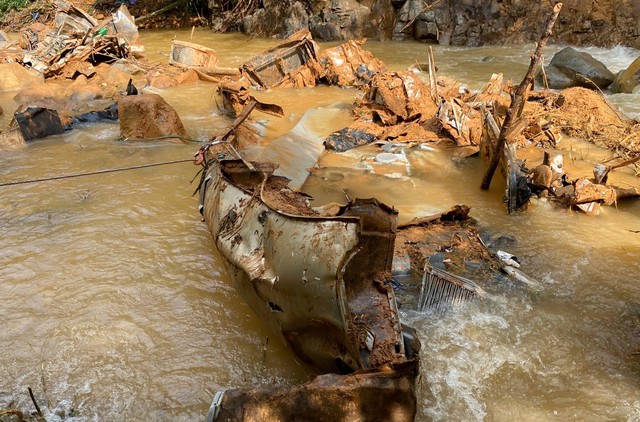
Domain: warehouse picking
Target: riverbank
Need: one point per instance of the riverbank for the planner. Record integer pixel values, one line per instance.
(602, 23)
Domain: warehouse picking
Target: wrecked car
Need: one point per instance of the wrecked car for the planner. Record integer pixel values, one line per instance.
(322, 283)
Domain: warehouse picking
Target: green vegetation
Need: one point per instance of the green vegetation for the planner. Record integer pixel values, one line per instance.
(6, 5)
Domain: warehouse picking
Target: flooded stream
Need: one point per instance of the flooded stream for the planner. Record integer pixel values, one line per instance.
(115, 304)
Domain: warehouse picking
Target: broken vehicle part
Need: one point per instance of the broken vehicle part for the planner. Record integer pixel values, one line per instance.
(331, 302)
(70, 19)
(324, 302)
(186, 54)
(293, 63)
(38, 122)
(441, 289)
(365, 396)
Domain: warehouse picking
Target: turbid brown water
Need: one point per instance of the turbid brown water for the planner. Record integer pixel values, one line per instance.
(116, 305)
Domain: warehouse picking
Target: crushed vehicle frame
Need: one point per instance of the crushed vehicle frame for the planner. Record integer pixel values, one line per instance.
(319, 282)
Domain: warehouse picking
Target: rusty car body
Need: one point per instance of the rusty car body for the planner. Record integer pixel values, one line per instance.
(320, 282)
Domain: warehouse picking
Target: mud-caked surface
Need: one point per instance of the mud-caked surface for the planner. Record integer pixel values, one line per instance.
(585, 114)
(454, 244)
(373, 317)
(365, 396)
(278, 196)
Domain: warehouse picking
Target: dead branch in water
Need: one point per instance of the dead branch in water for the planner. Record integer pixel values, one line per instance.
(518, 99)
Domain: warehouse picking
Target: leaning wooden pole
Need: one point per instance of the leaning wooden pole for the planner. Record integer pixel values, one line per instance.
(518, 99)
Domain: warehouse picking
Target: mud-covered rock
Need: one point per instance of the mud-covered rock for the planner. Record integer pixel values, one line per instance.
(148, 116)
(627, 80)
(570, 67)
(40, 92)
(14, 77)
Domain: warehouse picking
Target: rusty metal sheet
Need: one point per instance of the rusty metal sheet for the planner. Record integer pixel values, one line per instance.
(363, 396)
(70, 19)
(395, 97)
(186, 54)
(38, 122)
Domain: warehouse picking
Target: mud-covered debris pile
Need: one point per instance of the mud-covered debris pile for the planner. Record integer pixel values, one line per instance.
(585, 114)
(576, 112)
(400, 107)
(349, 65)
(449, 241)
(75, 37)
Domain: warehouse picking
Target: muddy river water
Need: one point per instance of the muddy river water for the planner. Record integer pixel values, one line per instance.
(114, 304)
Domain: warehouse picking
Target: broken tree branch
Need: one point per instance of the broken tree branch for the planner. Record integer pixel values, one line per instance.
(160, 11)
(33, 399)
(518, 99)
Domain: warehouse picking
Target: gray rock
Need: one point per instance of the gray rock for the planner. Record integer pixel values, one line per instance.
(425, 31)
(570, 67)
(326, 31)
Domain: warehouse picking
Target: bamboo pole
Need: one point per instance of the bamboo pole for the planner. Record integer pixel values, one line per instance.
(518, 99)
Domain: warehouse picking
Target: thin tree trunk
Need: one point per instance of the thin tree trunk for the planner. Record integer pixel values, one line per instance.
(518, 99)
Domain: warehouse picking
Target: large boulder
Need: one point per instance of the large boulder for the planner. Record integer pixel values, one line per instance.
(14, 77)
(36, 94)
(341, 19)
(628, 79)
(276, 18)
(407, 14)
(148, 116)
(570, 67)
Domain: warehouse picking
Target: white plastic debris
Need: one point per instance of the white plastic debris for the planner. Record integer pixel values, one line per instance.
(509, 259)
